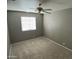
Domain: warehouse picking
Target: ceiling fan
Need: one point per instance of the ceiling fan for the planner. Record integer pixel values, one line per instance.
(41, 9)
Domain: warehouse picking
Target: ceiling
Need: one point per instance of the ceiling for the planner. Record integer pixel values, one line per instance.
(27, 5)
(58, 4)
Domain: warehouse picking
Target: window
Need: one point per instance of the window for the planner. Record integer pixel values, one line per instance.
(28, 23)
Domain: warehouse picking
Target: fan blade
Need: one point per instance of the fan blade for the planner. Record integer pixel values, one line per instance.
(34, 9)
(46, 12)
(48, 9)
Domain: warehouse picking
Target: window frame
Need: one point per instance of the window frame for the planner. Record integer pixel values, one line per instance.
(30, 29)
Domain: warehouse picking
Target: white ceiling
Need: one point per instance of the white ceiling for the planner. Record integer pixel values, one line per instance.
(58, 4)
(27, 5)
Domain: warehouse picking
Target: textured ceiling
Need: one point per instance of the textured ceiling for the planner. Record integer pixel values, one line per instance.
(26, 5)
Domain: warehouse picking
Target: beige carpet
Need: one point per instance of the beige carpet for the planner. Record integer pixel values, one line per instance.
(39, 48)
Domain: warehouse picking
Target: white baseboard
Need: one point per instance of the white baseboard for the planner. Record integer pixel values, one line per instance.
(59, 44)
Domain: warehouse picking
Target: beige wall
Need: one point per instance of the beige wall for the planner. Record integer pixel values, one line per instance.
(14, 22)
(58, 27)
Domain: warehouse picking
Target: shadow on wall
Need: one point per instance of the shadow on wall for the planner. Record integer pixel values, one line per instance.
(58, 27)
(14, 24)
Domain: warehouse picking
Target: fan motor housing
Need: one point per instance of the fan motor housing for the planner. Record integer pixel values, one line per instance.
(39, 9)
